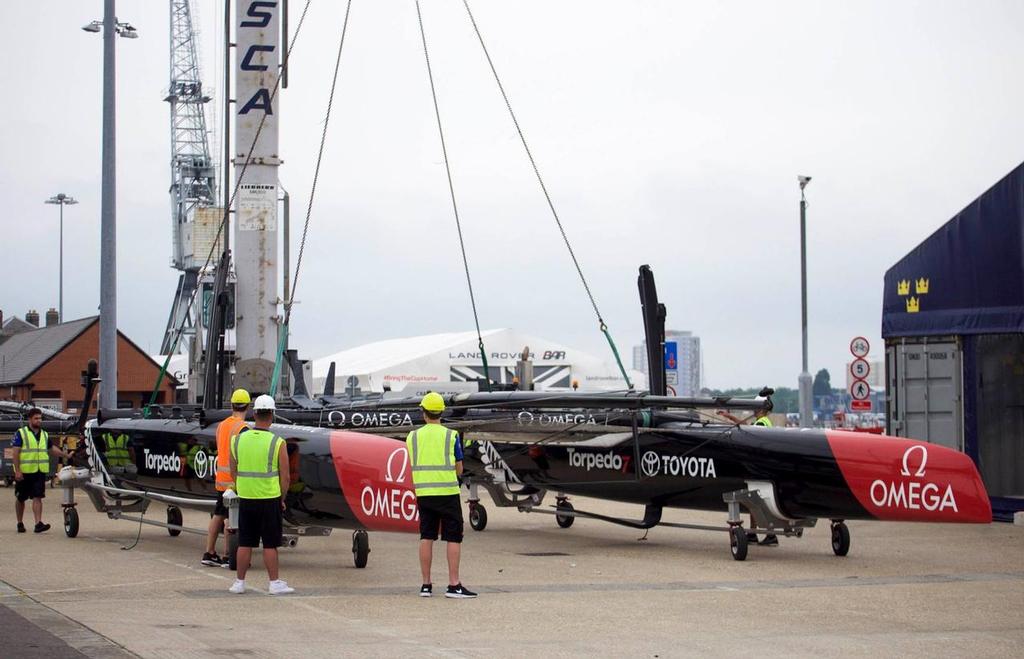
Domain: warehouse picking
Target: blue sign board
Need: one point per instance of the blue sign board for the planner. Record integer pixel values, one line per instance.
(671, 356)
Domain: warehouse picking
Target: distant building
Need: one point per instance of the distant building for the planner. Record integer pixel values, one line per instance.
(43, 366)
(688, 372)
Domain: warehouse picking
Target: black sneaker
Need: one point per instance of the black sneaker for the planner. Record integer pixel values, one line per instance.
(213, 560)
(459, 592)
(427, 590)
(41, 528)
(769, 541)
(225, 562)
(21, 527)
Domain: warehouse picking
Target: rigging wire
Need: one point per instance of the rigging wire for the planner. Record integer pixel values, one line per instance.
(222, 228)
(533, 163)
(283, 341)
(455, 206)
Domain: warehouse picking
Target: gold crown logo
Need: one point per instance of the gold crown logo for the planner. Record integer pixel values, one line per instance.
(903, 287)
(913, 305)
(921, 286)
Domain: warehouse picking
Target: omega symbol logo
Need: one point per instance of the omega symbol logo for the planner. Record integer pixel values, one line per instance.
(403, 466)
(650, 463)
(906, 460)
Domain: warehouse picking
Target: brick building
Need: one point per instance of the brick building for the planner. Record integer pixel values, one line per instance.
(45, 365)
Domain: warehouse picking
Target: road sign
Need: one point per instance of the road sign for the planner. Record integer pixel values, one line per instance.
(672, 377)
(860, 390)
(859, 368)
(671, 356)
(860, 347)
(860, 405)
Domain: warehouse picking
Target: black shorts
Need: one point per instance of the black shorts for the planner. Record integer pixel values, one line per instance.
(31, 486)
(220, 510)
(440, 512)
(259, 519)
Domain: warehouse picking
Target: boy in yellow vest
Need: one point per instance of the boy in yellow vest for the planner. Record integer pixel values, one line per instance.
(435, 453)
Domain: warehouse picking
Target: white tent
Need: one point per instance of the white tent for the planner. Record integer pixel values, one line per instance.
(436, 359)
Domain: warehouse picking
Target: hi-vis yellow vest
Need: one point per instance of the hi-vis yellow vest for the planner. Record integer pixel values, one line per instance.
(35, 454)
(117, 449)
(432, 453)
(764, 421)
(257, 455)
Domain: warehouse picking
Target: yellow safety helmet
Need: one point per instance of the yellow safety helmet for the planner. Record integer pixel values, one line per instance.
(433, 402)
(240, 397)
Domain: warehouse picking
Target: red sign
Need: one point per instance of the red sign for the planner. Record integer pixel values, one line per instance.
(860, 405)
(859, 347)
(860, 390)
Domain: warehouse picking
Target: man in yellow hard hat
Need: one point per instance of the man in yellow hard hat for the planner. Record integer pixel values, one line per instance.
(228, 428)
(435, 453)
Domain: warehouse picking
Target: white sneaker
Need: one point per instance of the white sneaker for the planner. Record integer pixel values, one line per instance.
(280, 587)
(238, 587)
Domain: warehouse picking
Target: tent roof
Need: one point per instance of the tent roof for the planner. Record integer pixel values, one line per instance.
(968, 276)
(379, 355)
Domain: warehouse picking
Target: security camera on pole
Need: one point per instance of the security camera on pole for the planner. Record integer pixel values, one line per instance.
(806, 416)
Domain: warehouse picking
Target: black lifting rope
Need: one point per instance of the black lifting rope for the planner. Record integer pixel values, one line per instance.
(309, 210)
(455, 206)
(603, 326)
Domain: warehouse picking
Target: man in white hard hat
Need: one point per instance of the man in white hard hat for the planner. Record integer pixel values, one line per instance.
(260, 484)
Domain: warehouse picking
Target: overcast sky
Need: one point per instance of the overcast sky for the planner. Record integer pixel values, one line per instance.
(669, 133)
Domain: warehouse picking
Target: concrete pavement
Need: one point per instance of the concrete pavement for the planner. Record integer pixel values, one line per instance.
(593, 589)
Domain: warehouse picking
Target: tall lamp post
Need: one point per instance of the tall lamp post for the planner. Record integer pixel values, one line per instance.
(62, 200)
(108, 212)
(806, 415)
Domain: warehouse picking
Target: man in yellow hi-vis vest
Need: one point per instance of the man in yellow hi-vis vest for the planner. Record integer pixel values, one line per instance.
(435, 453)
(259, 470)
(31, 458)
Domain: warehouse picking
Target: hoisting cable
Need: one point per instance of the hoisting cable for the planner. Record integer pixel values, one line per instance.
(222, 227)
(283, 341)
(601, 324)
(455, 206)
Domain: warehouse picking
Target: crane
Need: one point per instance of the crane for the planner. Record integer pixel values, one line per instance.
(193, 190)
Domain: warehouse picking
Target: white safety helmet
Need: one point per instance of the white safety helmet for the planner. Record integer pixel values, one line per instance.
(264, 402)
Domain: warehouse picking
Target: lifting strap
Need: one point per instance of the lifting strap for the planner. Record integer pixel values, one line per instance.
(455, 206)
(601, 324)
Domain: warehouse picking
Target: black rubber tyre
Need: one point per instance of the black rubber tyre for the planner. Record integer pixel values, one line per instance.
(565, 521)
(477, 517)
(174, 517)
(840, 539)
(232, 551)
(738, 543)
(360, 548)
(70, 522)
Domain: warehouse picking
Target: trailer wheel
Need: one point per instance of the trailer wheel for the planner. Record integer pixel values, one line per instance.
(477, 517)
(738, 543)
(840, 538)
(360, 548)
(565, 521)
(70, 522)
(174, 517)
(232, 537)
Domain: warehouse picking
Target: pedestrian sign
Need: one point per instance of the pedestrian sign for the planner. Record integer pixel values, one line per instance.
(860, 390)
(671, 356)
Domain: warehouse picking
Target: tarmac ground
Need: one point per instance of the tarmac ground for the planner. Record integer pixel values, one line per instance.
(594, 589)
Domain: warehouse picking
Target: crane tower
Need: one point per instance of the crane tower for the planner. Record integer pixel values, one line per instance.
(194, 217)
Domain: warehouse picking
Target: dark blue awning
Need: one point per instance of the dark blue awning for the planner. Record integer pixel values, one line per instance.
(967, 277)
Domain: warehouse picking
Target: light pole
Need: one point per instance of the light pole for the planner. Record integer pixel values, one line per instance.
(806, 415)
(108, 211)
(62, 200)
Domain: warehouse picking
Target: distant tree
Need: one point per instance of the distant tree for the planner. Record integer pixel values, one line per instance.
(822, 383)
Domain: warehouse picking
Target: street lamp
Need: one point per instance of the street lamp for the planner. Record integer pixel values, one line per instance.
(108, 212)
(806, 415)
(62, 200)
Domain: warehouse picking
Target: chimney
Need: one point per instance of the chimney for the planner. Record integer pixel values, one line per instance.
(32, 318)
(52, 317)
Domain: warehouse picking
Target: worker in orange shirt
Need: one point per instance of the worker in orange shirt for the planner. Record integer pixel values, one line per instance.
(228, 428)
